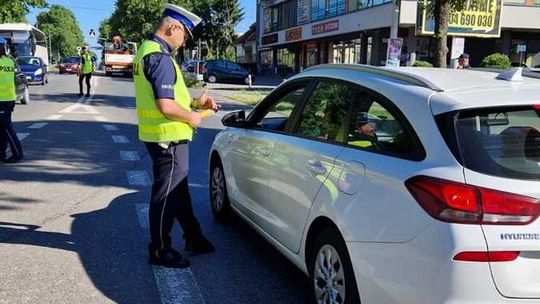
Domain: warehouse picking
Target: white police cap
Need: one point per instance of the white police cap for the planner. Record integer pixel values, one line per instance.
(185, 17)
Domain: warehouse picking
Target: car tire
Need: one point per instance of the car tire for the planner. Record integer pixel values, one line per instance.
(212, 79)
(219, 198)
(108, 74)
(26, 96)
(330, 269)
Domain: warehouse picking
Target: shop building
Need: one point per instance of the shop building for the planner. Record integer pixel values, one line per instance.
(295, 34)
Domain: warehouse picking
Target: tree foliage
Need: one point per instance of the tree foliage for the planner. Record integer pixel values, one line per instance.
(62, 26)
(16, 10)
(134, 20)
(441, 9)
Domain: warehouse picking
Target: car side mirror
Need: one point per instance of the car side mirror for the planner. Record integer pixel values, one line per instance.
(236, 119)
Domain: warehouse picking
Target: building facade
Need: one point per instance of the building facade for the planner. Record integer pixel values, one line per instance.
(295, 34)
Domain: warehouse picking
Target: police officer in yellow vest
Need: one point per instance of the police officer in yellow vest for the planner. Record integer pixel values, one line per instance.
(165, 124)
(7, 104)
(87, 67)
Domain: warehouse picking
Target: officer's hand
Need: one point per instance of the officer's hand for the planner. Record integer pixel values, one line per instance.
(195, 119)
(207, 102)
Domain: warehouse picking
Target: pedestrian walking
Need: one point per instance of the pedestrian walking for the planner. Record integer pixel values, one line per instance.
(165, 125)
(8, 94)
(87, 67)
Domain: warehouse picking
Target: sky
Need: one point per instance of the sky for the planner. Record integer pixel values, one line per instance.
(90, 13)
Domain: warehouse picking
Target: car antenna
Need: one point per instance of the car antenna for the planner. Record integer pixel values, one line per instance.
(512, 74)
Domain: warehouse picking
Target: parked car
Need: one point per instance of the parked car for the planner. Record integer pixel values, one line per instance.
(34, 68)
(21, 85)
(69, 65)
(190, 66)
(225, 71)
(444, 208)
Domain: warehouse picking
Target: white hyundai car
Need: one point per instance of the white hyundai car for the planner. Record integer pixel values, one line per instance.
(407, 185)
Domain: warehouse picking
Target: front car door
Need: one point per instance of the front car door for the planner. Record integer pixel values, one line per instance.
(251, 149)
(303, 159)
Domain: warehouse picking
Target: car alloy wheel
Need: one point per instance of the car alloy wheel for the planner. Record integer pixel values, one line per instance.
(330, 269)
(212, 79)
(329, 278)
(218, 192)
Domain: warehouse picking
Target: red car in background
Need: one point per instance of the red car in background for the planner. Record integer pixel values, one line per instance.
(69, 65)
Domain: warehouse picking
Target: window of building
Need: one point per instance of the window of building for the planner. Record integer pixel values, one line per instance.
(285, 62)
(271, 19)
(361, 4)
(323, 9)
(347, 51)
(289, 15)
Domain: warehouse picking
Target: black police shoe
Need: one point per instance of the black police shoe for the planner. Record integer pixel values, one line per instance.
(167, 258)
(87, 95)
(199, 245)
(12, 160)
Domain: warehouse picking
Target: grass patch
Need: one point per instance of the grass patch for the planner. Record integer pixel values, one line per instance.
(249, 97)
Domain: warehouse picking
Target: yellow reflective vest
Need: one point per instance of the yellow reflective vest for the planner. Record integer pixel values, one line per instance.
(7, 79)
(87, 67)
(153, 125)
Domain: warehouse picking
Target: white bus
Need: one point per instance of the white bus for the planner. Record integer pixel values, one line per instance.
(25, 40)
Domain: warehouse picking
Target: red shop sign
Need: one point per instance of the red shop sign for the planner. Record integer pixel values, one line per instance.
(325, 27)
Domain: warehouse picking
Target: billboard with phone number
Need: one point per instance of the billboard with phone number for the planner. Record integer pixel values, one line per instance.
(480, 18)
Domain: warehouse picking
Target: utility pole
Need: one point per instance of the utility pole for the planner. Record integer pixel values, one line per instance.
(49, 51)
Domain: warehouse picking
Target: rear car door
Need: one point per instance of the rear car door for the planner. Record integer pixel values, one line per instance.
(500, 150)
(303, 160)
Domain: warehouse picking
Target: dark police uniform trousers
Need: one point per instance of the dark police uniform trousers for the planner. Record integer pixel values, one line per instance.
(7, 134)
(170, 194)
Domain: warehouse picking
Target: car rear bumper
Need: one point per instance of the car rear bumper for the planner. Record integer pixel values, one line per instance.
(422, 270)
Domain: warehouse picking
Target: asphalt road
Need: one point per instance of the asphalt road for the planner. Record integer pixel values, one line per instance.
(72, 214)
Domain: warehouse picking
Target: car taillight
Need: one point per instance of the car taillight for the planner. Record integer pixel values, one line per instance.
(484, 256)
(536, 107)
(454, 202)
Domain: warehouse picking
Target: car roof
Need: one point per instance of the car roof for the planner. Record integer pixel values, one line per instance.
(451, 89)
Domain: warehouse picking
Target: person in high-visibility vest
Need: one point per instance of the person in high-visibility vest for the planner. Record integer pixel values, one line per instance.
(86, 69)
(165, 125)
(8, 94)
(365, 136)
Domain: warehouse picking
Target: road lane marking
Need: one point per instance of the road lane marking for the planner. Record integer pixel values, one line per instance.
(176, 286)
(54, 117)
(100, 118)
(129, 155)
(88, 109)
(120, 139)
(38, 125)
(138, 178)
(22, 136)
(110, 127)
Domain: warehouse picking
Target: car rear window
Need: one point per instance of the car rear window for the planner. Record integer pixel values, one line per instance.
(503, 142)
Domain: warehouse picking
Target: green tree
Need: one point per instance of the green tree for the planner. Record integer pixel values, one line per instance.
(16, 10)
(441, 9)
(134, 20)
(105, 31)
(62, 26)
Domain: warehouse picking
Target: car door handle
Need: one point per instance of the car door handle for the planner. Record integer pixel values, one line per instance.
(317, 169)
